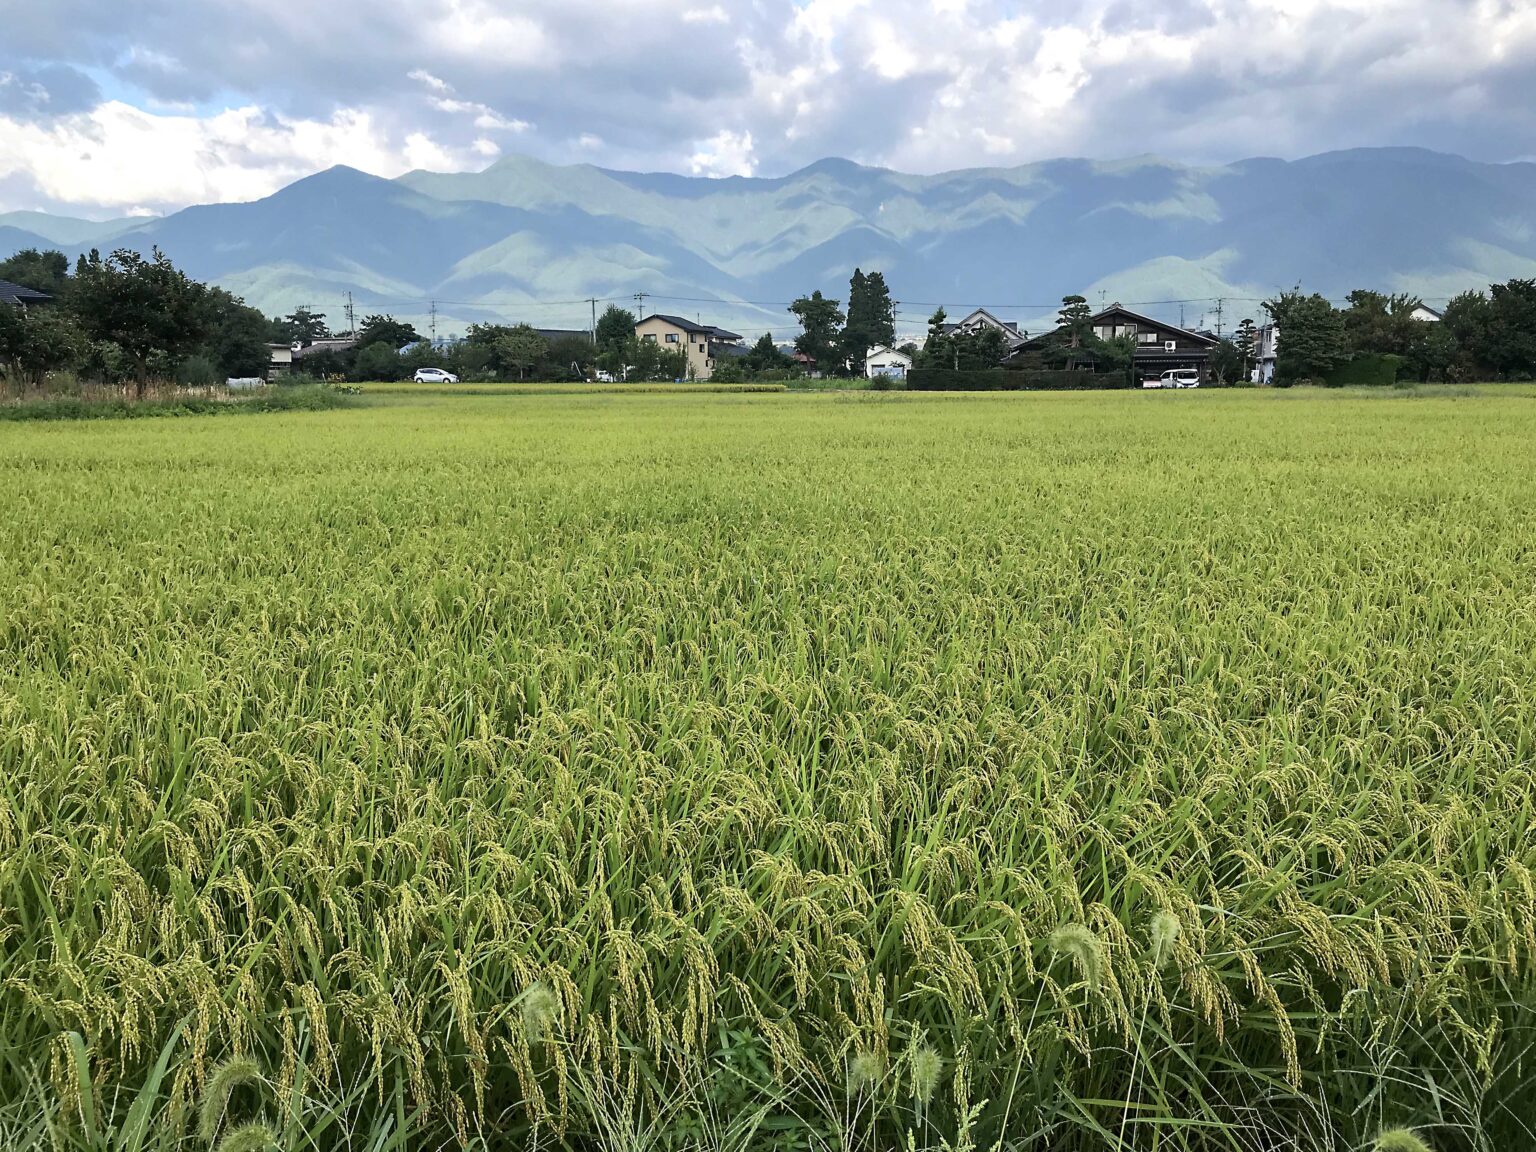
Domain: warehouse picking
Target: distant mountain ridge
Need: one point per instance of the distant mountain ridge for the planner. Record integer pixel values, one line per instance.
(525, 240)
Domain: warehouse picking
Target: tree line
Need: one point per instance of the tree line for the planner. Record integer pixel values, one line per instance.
(127, 318)
(1481, 336)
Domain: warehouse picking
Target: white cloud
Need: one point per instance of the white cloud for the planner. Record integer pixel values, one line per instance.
(725, 153)
(421, 75)
(914, 84)
(119, 157)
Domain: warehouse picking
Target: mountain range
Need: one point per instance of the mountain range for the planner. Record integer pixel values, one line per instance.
(525, 240)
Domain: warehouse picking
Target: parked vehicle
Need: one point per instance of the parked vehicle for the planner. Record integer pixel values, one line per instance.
(434, 376)
(1174, 378)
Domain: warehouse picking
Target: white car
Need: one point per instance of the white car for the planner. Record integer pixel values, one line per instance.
(434, 376)
(1174, 378)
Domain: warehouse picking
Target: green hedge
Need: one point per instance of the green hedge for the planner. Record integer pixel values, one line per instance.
(1371, 371)
(1003, 380)
(306, 399)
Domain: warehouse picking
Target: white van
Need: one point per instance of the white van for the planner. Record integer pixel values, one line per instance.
(1175, 378)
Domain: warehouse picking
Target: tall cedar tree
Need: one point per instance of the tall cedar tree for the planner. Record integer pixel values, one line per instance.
(871, 318)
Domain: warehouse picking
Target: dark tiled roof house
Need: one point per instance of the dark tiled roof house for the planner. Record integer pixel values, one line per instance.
(16, 295)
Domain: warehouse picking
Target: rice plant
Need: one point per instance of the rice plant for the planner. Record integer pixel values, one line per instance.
(693, 772)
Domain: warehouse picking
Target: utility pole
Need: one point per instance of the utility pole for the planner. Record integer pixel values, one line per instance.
(1181, 314)
(594, 321)
(351, 317)
(434, 323)
(640, 301)
(1220, 306)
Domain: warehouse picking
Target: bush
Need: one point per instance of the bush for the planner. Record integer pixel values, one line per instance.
(198, 372)
(1371, 370)
(1004, 380)
(310, 399)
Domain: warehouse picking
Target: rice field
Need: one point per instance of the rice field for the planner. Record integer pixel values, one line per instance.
(1109, 771)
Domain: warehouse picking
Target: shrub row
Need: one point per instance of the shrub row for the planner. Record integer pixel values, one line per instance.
(1371, 371)
(1003, 380)
(304, 399)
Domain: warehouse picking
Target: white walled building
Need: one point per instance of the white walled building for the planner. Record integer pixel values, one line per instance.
(883, 361)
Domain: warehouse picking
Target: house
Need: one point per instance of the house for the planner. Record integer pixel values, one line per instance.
(1013, 336)
(558, 335)
(1427, 314)
(704, 343)
(883, 361)
(279, 360)
(1160, 347)
(20, 297)
(1266, 353)
(331, 344)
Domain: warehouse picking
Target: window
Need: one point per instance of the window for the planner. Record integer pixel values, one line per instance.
(1102, 332)
(650, 337)
(671, 337)
(1148, 338)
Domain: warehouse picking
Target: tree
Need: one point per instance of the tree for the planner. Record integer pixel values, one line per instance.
(1076, 318)
(1379, 325)
(521, 349)
(567, 358)
(615, 329)
(1074, 330)
(1509, 341)
(821, 322)
(236, 336)
(764, 356)
(148, 308)
(1312, 342)
(730, 370)
(1466, 318)
(649, 360)
(1433, 353)
(871, 319)
(36, 341)
(1247, 342)
(302, 326)
(1228, 364)
(386, 330)
(377, 361)
(46, 272)
(1117, 355)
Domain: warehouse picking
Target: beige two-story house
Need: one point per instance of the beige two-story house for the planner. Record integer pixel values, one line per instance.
(704, 343)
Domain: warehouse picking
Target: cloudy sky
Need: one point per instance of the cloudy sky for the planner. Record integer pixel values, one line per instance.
(109, 106)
